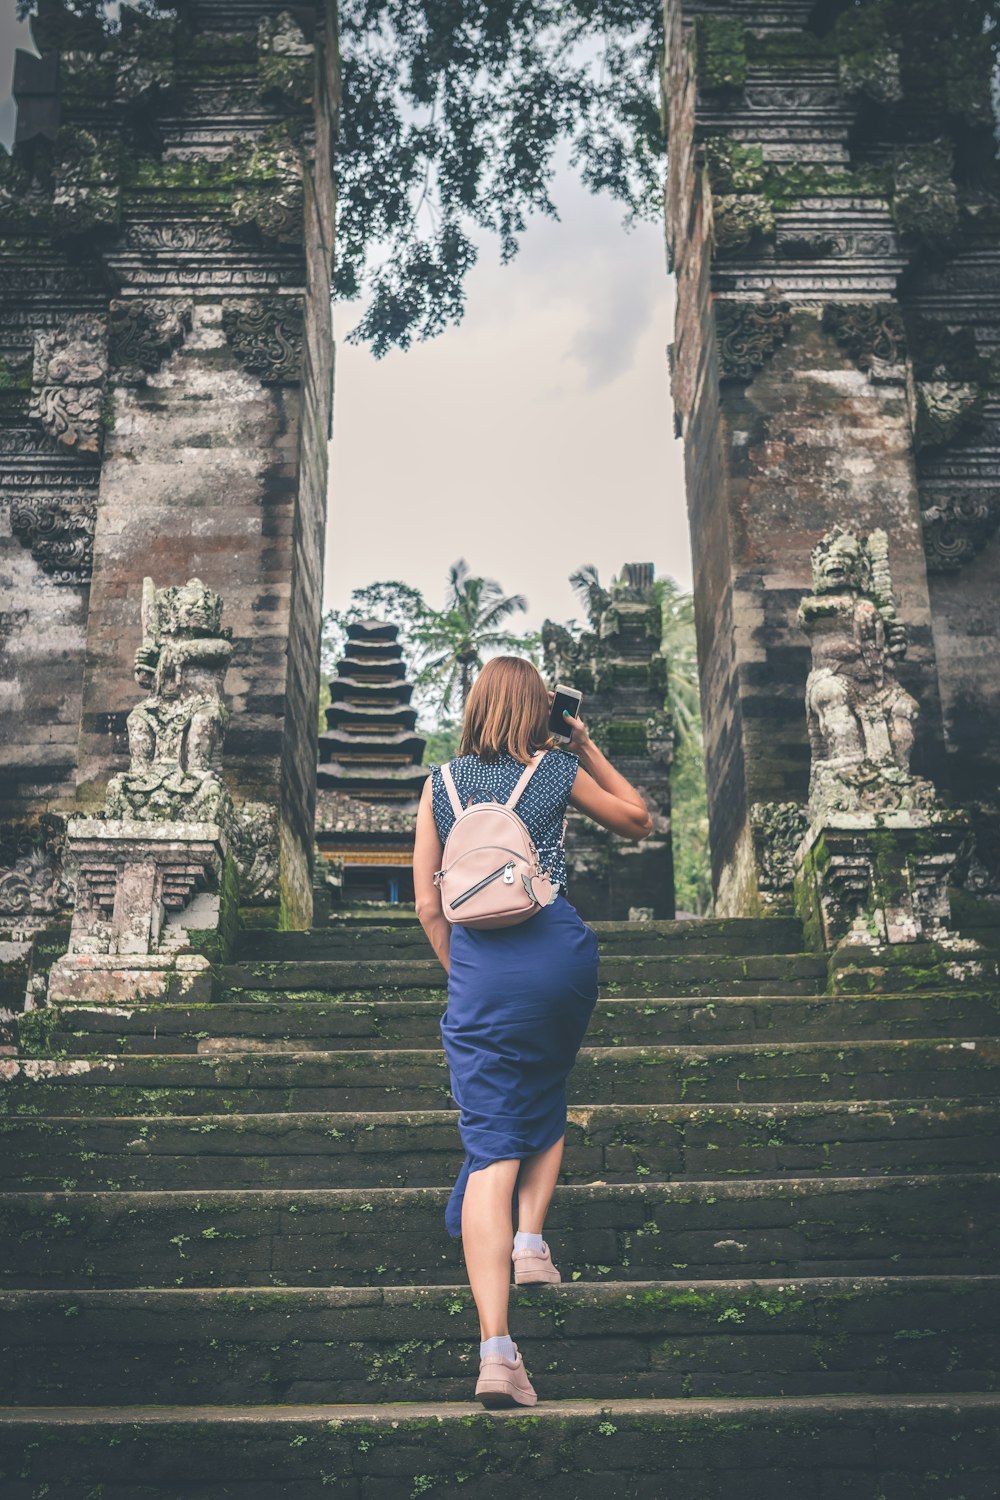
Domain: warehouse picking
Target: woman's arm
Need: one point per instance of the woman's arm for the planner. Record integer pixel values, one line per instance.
(602, 792)
(427, 853)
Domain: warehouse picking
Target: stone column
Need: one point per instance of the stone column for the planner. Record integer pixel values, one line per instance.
(792, 212)
(172, 187)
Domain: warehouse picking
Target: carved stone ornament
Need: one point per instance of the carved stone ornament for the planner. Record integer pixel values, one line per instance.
(738, 219)
(945, 408)
(860, 719)
(955, 531)
(284, 57)
(68, 382)
(857, 893)
(34, 885)
(270, 196)
(143, 890)
(255, 850)
(145, 64)
(59, 531)
(87, 176)
(925, 201)
(978, 870)
(266, 335)
(778, 829)
(748, 333)
(150, 870)
(175, 735)
(142, 333)
(872, 333)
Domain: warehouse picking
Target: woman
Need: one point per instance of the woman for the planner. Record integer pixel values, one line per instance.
(519, 998)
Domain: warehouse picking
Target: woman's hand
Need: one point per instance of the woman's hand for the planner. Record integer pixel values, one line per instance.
(579, 739)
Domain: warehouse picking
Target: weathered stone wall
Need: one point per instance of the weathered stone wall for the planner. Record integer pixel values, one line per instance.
(168, 367)
(832, 214)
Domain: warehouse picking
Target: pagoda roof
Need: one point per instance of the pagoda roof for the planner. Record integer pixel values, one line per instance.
(374, 716)
(374, 781)
(341, 743)
(395, 691)
(372, 630)
(374, 648)
(351, 666)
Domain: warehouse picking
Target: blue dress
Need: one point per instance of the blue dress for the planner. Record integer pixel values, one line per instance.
(519, 998)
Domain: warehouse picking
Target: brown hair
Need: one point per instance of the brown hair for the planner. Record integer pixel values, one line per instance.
(507, 709)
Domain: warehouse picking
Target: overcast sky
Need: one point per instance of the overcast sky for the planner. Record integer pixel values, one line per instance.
(534, 438)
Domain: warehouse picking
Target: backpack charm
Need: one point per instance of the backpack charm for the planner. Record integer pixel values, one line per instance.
(491, 875)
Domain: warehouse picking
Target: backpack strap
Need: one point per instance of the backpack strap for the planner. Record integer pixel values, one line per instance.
(525, 777)
(451, 789)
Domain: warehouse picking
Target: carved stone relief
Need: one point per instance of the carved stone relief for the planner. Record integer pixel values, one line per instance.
(142, 333)
(284, 57)
(266, 335)
(34, 885)
(175, 735)
(872, 333)
(777, 829)
(748, 333)
(86, 193)
(68, 382)
(956, 529)
(270, 197)
(59, 531)
(860, 718)
(255, 850)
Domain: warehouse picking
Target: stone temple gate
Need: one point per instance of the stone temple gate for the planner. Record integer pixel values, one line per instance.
(168, 220)
(225, 1149)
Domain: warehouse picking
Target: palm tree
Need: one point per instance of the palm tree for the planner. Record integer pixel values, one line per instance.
(679, 646)
(455, 638)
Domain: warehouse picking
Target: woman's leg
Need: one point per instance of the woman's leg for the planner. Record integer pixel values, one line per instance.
(487, 1240)
(535, 1185)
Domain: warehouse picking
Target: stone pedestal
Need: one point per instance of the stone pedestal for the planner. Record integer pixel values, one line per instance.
(143, 891)
(867, 880)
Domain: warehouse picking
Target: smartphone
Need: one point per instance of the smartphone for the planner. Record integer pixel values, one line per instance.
(566, 697)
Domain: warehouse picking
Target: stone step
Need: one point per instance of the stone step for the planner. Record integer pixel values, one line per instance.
(903, 1225)
(870, 1447)
(640, 1338)
(732, 935)
(288, 1025)
(613, 1143)
(636, 974)
(418, 1079)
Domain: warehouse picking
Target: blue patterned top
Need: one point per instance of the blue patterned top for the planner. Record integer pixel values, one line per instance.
(542, 804)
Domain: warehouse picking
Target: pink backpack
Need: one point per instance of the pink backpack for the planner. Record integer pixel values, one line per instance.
(491, 876)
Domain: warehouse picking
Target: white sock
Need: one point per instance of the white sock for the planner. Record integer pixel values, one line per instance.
(525, 1241)
(500, 1343)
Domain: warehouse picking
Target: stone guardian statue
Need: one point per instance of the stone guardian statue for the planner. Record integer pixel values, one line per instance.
(175, 735)
(860, 718)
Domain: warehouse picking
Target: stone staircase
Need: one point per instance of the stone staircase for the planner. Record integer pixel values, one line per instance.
(226, 1272)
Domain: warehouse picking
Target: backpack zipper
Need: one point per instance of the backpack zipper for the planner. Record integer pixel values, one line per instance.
(507, 871)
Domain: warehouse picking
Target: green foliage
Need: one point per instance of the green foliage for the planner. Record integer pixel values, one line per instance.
(452, 121)
(456, 639)
(689, 820)
(442, 742)
(395, 602)
(722, 53)
(688, 794)
(443, 649)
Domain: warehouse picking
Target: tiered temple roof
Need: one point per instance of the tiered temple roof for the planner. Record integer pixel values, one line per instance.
(370, 773)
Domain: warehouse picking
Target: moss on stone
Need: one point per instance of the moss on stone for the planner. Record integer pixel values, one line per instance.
(722, 55)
